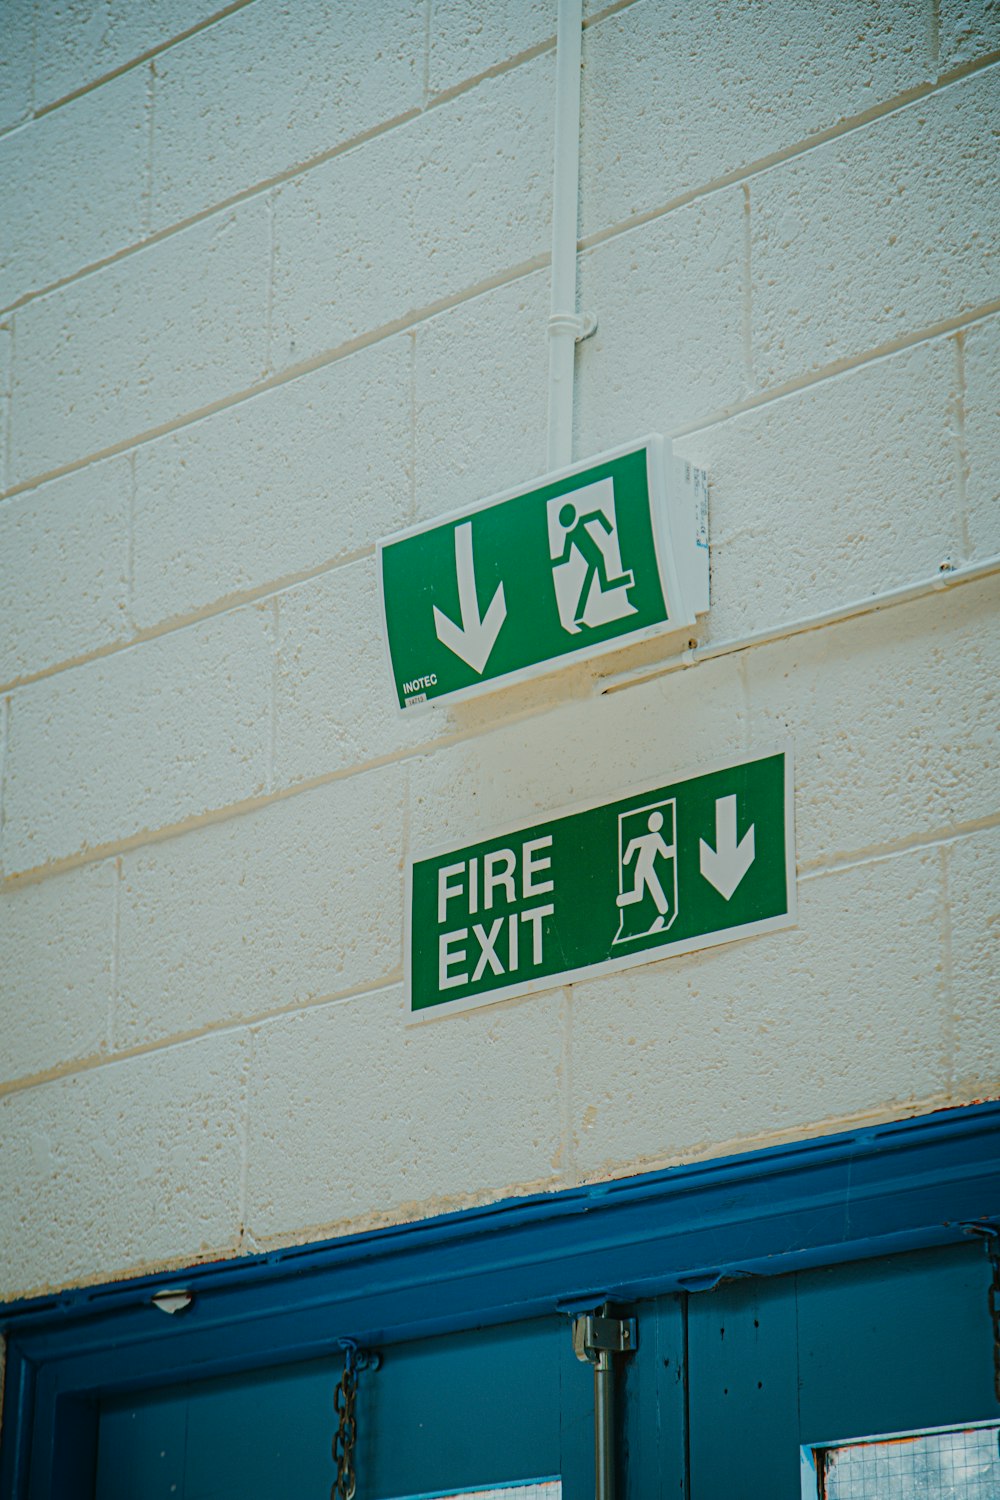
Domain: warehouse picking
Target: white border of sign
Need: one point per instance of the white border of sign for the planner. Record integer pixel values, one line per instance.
(627, 961)
(680, 612)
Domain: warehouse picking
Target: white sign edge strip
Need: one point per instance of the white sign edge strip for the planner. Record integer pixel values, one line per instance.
(788, 918)
(680, 615)
(515, 1489)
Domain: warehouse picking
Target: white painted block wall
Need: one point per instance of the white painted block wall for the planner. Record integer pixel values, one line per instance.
(276, 284)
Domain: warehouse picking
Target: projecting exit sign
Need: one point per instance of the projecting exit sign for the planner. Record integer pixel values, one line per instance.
(585, 561)
(663, 870)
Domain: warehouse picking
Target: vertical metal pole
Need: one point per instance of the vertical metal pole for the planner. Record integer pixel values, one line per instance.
(598, 1338)
(604, 1427)
(564, 324)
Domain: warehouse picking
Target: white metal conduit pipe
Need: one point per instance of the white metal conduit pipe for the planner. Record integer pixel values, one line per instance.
(565, 324)
(938, 583)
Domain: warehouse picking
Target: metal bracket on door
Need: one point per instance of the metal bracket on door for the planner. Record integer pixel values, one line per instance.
(597, 1338)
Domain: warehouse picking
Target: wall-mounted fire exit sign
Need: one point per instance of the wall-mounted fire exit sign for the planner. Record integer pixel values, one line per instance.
(585, 561)
(658, 871)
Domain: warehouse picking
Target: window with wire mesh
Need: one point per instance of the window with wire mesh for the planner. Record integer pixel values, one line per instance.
(959, 1464)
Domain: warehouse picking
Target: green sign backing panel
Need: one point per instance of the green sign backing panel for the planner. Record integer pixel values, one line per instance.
(662, 870)
(536, 578)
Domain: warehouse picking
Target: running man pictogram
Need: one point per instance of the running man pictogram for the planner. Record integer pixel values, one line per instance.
(591, 583)
(578, 536)
(647, 870)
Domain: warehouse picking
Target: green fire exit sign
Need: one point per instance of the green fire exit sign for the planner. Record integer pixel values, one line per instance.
(684, 865)
(607, 552)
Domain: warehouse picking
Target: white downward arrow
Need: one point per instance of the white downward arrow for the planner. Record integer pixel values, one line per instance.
(726, 864)
(475, 638)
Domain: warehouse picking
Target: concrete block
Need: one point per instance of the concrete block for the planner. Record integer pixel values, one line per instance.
(334, 702)
(296, 477)
(968, 29)
(64, 568)
(425, 1119)
(881, 233)
(833, 493)
(279, 907)
(147, 737)
(17, 62)
(271, 87)
(80, 42)
(481, 396)
(148, 339)
(973, 866)
(772, 1035)
(893, 718)
(466, 40)
(345, 258)
(126, 1167)
(675, 98)
(669, 343)
(432, 208)
(596, 748)
(483, 192)
(982, 429)
(57, 938)
(78, 176)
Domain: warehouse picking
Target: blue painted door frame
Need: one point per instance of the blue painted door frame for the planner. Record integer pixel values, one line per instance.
(725, 1383)
(873, 1192)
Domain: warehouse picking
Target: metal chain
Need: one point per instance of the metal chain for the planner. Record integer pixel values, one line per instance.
(990, 1237)
(344, 1395)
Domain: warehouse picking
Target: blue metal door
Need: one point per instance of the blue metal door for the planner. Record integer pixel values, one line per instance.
(769, 1365)
(489, 1407)
(724, 1389)
(805, 1297)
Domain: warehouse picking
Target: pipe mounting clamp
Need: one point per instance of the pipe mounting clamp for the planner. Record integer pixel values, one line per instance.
(580, 325)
